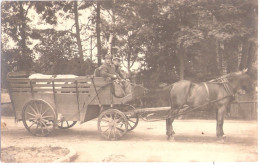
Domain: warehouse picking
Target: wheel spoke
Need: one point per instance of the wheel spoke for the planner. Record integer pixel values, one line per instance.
(47, 117)
(120, 131)
(114, 132)
(119, 120)
(105, 120)
(66, 124)
(115, 117)
(46, 127)
(32, 119)
(32, 124)
(45, 111)
(31, 114)
(109, 133)
(40, 108)
(107, 117)
(130, 125)
(33, 110)
(131, 121)
(104, 126)
(118, 128)
(37, 110)
(106, 130)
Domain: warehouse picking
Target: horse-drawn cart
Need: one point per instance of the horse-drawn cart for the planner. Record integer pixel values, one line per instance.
(44, 103)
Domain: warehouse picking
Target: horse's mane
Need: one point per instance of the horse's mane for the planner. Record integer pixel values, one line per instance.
(229, 75)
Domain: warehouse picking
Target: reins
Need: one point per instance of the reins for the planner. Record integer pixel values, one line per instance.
(187, 110)
(225, 82)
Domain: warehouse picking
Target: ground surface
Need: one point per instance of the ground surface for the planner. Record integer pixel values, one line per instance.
(195, 141)
(26, 154)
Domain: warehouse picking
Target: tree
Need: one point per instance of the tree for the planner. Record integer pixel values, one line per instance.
(14, 24)
(98, 31)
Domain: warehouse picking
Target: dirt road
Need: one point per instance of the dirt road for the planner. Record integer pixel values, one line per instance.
(195, 141)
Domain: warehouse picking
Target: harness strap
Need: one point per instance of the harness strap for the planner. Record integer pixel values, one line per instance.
(227, 87)
(187, 110)
(207, 89)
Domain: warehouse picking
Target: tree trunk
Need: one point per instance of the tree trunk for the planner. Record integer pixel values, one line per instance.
(23, 59)
(112, 34)
(81, 56)
(110, 44)
(243, 63)
(98, 31)
(129, 62)
(252, 49)
(181, 55)
(223, 61)
(217, 55)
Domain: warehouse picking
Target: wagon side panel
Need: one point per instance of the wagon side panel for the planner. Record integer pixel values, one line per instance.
(20, 93)
(67, 106)
(19, 99)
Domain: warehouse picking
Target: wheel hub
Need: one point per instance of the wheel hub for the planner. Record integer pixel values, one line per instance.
(38, 117)
(112, 124)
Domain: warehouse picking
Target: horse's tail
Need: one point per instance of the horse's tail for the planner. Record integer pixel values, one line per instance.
(181, 90)
(190, 88)
(189, 92)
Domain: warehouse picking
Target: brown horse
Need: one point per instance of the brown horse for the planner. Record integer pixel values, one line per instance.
(221, 90)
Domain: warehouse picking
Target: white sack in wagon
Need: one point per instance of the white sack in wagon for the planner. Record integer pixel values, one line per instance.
(43, 76)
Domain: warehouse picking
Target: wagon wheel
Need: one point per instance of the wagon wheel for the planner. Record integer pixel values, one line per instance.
(39, 118)
(132, 117)
(66, 124)
(112, 124)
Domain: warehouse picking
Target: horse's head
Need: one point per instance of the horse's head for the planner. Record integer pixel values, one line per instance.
(247, 80)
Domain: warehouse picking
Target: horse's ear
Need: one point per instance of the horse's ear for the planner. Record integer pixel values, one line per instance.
(245, 70)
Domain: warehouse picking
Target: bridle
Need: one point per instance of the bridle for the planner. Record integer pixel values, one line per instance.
(225, 82)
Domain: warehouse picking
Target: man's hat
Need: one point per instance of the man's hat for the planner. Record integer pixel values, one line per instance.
(108, 56)
(116, 58)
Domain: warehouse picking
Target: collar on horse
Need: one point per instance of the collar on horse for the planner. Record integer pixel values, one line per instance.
(225, 82)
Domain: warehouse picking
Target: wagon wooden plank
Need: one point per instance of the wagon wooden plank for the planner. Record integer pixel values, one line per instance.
(140, 110)
(18, 80)
(42, 89)
(21, 89)
(21, 82)
(41, 85)
(20, 85)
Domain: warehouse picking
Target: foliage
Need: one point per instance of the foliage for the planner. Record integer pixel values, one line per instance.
(160, 41)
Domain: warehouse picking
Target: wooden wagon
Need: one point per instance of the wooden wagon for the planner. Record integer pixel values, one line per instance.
(43, 104)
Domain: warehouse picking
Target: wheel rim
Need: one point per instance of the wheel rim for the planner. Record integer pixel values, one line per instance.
(66, 124)
(39, 117)
(112, 124)
(132, 118)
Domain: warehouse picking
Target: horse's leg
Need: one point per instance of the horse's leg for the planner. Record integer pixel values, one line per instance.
(169, 129)
(220, 121)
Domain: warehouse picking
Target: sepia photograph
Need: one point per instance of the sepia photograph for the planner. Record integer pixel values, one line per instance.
(122, 81)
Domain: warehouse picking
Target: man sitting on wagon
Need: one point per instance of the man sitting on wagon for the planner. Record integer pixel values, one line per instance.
(121, 86)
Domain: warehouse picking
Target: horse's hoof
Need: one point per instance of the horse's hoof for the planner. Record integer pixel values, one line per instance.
(171, 139)
(221, 141)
